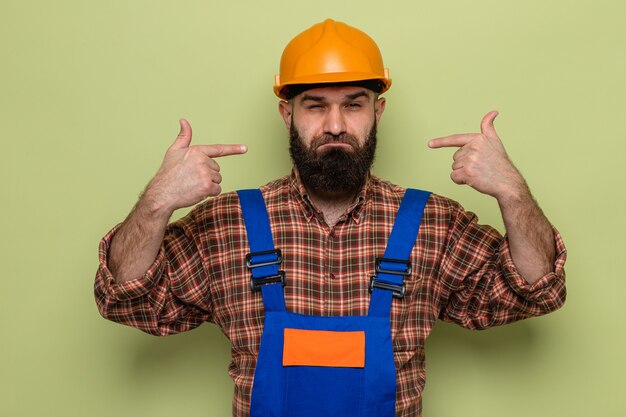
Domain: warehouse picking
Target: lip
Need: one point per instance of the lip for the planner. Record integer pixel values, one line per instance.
(331, 145)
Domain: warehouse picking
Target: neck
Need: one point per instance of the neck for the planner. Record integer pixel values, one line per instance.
(332, 204)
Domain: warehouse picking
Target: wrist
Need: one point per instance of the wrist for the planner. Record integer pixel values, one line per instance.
(154, 205)
(514, 195)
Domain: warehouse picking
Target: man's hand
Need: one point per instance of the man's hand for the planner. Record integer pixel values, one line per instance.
(188, 174)
(482, 162)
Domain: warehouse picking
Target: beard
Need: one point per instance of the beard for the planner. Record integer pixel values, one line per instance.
(336, 170)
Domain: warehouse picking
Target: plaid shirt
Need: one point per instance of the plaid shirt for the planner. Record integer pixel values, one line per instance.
(463, 272)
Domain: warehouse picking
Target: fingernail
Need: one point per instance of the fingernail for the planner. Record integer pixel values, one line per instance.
(244, 148)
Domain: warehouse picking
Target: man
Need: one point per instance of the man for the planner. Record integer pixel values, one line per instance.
(334, 332)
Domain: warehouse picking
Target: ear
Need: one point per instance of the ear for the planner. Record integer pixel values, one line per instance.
(379, 107)
(285, 109)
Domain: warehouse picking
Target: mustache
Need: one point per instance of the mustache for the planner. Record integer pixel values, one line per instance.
(327, 138)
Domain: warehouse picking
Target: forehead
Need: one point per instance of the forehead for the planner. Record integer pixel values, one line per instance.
(335, 93)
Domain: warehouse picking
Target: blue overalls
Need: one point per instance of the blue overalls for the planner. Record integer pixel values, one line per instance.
(310, 366)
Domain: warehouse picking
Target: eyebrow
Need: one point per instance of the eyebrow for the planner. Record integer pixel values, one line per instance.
(321, 99)
(306, 97)
(357, 95)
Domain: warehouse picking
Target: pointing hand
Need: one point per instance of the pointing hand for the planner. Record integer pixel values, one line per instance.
(482, 162)
(189, 174)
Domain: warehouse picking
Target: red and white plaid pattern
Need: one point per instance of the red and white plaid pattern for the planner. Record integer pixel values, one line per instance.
(462, 273)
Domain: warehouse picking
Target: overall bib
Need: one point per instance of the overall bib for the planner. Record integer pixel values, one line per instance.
(311, 366)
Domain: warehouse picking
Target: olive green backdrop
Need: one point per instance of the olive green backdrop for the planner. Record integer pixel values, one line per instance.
(90, 97)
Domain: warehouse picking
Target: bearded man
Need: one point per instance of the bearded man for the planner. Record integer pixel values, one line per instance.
(366, 266)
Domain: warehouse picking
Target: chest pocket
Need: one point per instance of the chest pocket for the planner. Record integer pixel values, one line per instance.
(318, 364)
(324, 348)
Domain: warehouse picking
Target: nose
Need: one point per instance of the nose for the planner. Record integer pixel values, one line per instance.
(334, 123)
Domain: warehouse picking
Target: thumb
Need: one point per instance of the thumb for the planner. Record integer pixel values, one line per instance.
(486, 126)
(184, 136)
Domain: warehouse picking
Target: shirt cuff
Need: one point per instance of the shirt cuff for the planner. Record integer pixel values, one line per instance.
(536, 291)
(130, 289)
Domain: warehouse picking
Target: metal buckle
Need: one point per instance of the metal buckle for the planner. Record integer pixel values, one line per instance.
(277, 252)
(257, 283)
(397, 290)
(407, 264)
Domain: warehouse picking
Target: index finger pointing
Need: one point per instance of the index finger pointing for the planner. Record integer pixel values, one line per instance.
(215, 151)
(457, 140)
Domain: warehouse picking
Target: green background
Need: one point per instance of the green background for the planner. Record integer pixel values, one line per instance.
(90, 97)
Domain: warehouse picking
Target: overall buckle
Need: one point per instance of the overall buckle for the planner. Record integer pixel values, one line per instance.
(257, 283)
(397, 290)
(407, 267)
(277, 252)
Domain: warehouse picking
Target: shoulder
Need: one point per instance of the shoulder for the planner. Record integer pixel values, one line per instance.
(226, 206)
(443, 219)
(383, 190)
(386, 191)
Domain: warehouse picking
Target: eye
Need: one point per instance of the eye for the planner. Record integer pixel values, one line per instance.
(354, 105)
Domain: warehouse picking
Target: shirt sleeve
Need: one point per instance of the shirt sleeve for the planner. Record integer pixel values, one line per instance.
(171, 297)
(482, 287)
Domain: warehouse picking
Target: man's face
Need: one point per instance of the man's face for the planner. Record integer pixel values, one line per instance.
(333, 136)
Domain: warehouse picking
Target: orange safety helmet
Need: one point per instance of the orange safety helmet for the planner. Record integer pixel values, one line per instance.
(330, 52)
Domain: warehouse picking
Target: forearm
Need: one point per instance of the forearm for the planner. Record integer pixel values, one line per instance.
(530, 235)
(136, 243)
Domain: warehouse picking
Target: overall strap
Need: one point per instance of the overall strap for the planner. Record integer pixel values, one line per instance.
(263, 259)
(391, 269)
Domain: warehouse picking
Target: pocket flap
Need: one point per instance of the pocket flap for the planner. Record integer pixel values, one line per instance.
(324, 348)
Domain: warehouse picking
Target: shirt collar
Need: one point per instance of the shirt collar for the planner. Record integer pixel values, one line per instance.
(302, 196)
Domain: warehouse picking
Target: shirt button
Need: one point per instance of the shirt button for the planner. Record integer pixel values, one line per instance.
(332, 276)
